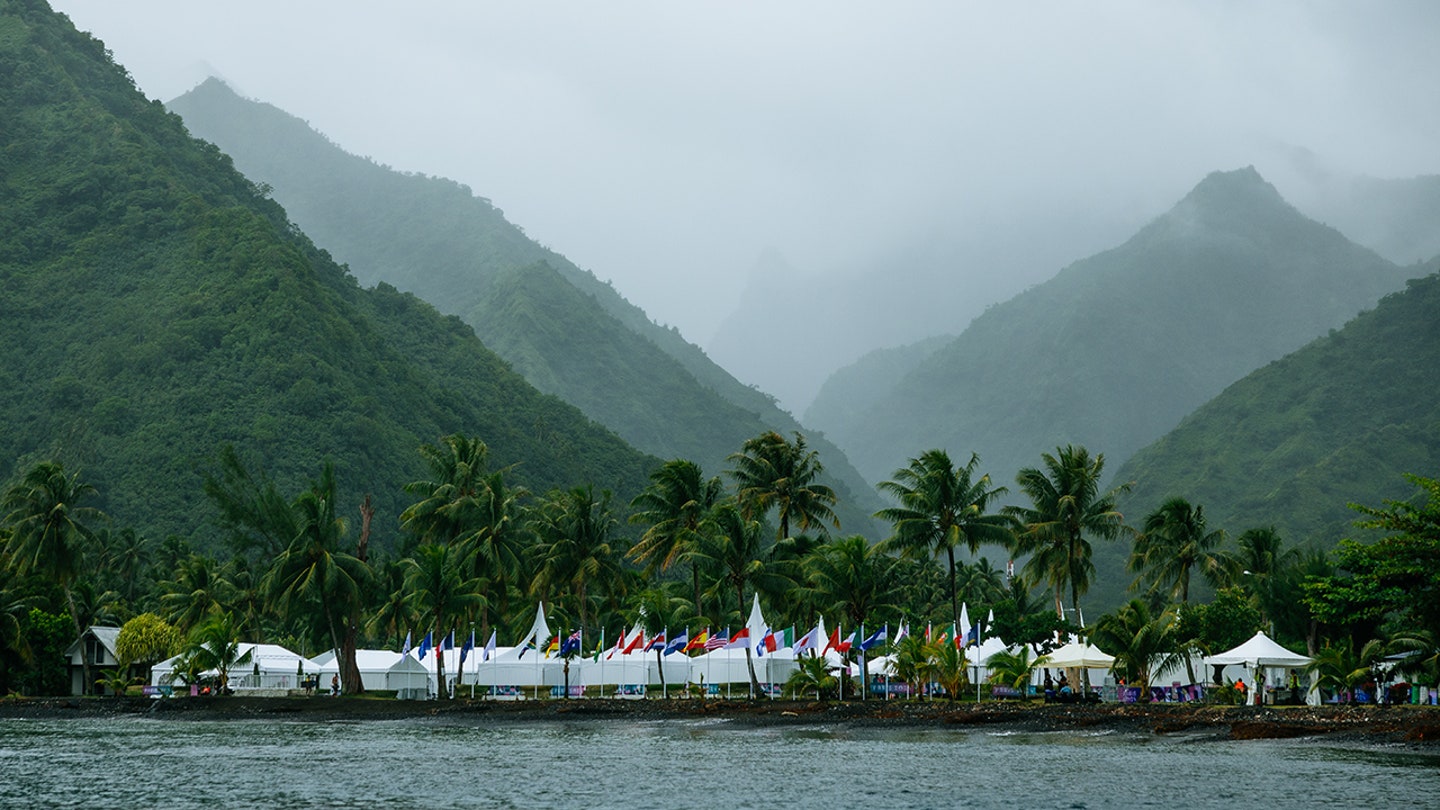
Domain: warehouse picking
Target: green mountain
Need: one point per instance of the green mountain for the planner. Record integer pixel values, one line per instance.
(154, 304)
(1117, 348)
(851, 391)
(1338, 421)
(567, 332)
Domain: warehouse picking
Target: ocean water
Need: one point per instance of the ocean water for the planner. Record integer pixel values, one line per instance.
(150, 763)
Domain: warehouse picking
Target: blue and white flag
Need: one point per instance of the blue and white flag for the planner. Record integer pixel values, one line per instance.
(469, 645)
(678, 643)
(449, 643)
(405, 649)
(489, 651)
(425, 645)
(875, 639)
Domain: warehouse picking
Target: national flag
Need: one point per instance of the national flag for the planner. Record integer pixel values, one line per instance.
(553, 646)
(972, 636)
(718, 641)
(678, 643)
(599, 646)
(489, 648)
(808, 641)
(929, 630)
(902, 633)
(834, 641)
(469, 645)
(619, 645)
(739, 640)
(767, 643)
(699, 642)
(425, 645)
(785, 638)
(657, 642)
(875, 639)
(526, 647)
(571, 645)
(636, 643)
(405, 648)
(449, 642)
(844, 646)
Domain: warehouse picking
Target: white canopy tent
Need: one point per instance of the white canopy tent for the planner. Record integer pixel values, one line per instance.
(270, 667)
(1261, 654)
(374, 666)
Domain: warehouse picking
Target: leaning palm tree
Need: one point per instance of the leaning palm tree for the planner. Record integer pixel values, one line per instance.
(1066, 508)
(50, 528)
(677, 506)
(1174, 541)
(941, 507)
(772, 473)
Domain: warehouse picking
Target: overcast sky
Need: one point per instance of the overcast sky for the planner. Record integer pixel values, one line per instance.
(665, 145)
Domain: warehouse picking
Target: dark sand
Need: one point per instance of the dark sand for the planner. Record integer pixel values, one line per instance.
(1415, 725)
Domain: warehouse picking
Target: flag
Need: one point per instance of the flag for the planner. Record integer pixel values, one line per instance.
(717, 641)
(875, 639)
(449, 643)
(469, 645)
(844, 646)
(619, 645)
(901, 633)
(636, 643)
(526, 647)
(489, 648)
(571, 645)
(678, 643)
(739, 640)
(599, 646)
(963, 641)
(405, 649)
(834, 642)
(785, 638)
(657, 642)
(424, 646)
(972, 636)
(767, 643)
(553, 646)
(699, 642)
(808, 641)
(929, 629)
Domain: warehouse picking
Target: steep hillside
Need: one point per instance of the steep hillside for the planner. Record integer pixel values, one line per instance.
(154, 304)
(856, 388)
(1338, 421)
(578, 340)
(1117, 348)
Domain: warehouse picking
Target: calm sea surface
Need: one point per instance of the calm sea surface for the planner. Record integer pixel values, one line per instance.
(132, 762)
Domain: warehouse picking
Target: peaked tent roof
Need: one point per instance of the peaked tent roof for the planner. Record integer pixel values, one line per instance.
(1076, 654)
(1260, 650)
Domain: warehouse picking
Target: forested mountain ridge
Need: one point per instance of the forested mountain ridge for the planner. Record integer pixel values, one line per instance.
(581, 341)
(1339, 421)
(1117, 348)
(155, 305)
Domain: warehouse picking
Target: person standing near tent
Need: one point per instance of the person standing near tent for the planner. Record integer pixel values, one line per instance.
(1260, 687)
(335, 685)
(1240, 687)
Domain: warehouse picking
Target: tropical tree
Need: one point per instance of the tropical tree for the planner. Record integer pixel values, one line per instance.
(146, 640)
(49, 529)
(391, 612)
(1140, 642)
(313, 580)
(198, 590)
(452, 498)
(677, 506)
(1013, 669)
(216, 645)
(440, 591)
(495, 546)
(854, 579)
(1339, 667)
(1066, 509)
(576, 561)
(1175, 540)
(941, 507)
(812, 674)
(771, 473)
(946, 665)
(911, 657)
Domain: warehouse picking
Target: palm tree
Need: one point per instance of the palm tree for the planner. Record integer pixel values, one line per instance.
(216, 645)
(499, 534)
(850, 577)
(1015, 670)
(439, 589)
(452, 497)
(50, 528)
(1066, 507)
(1175, 539)
(812, 673)
(734, 556)
(576, 560)
(943, 506)
(946, 666)
(772, 473)
(911, 655)
(14, 603)
(1141, 643)
(676, 505)
(391, 613)
(314, 579)
(199, 590)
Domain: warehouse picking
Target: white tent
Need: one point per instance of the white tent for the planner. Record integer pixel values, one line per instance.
(374, 666)
(270, 667)
(1076, 655)
(1260, 654)
(408, 678)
